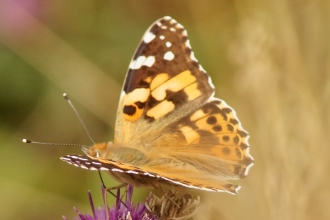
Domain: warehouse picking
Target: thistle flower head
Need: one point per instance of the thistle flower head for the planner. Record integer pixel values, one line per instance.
(124, 210)
(170, 206)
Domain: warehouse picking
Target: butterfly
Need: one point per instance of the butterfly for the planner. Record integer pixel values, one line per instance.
(170, 129)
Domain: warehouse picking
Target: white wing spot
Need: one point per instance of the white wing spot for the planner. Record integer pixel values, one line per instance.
(142, 61)
(169, 55)
(148, 174)
(180, 26)
(136, 64)
(104, 168)
(84, 167)
(92, 168)
(172, 29)
(188, 44)
(210, 82)
(132, 171)
(116, 170)
(172, 21)
(149, 61)
(248, 168)
(131, 65)
(96, 163)
(168, 44)
(161, 37)
(66, 159)
(192, 56)
(201, 69)
(148, 37)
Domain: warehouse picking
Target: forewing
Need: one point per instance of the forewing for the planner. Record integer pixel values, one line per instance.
(164, 83)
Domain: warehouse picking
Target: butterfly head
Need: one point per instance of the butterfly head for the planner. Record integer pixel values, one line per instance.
(97, 150)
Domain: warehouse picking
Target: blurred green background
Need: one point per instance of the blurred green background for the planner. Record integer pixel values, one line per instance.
(268, 59)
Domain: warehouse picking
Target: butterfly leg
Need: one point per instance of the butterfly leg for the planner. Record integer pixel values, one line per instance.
(111, 188)
(108, 189)
(116, 187)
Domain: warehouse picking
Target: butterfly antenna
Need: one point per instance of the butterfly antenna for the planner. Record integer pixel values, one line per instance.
(90, 137)
(46, 143)
(77, 114)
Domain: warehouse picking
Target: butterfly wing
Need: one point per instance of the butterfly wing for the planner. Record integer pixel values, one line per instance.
(205, 149)
(168, 112)
(164, 82)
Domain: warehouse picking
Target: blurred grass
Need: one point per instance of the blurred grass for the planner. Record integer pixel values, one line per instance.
(269, 60)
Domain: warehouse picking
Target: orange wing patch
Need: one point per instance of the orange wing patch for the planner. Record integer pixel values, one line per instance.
(135, 102)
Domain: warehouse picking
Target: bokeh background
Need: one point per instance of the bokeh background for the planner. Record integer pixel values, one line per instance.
(268, 59)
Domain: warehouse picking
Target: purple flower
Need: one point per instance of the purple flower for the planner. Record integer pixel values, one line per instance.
(124, 210)
(170, 206)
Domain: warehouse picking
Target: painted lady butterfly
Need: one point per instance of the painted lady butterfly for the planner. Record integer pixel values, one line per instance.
(170, 128)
